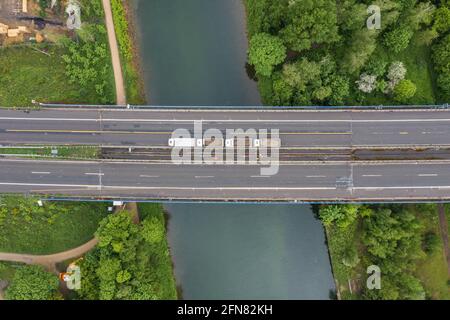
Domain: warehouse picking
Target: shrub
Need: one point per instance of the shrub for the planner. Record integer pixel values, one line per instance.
(404, 91)
(266, 51)
(33, 283)
(397, 73)
(430, 242)
(367, 83)
(398, 39)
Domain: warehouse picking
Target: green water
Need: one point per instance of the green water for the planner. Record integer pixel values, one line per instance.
(193, 53)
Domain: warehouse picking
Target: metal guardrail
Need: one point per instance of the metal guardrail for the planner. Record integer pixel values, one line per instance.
(230, 202)
(142, 107)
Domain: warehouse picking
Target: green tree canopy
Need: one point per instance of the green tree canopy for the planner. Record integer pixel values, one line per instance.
(266, 51)
(310, 22)
(404, 91)
(33, 283)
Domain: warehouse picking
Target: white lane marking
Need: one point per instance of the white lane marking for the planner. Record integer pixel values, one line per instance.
(428, 175)
(95, 174)
(165, 188)
(147, 176)
(231, 120)
(204, 177)
(222, 188)
(260, 176)
(36, 172)
(402, 188)
(371, 175)
(316, 176)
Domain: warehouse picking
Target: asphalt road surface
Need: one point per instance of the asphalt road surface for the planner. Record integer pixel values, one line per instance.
(298, 182)
(334, 178)
(298, 129)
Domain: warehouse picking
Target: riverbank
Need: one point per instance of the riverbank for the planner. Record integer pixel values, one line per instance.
(129, 51)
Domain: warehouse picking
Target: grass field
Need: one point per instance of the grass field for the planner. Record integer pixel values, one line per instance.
(28, 75)
(432, 271)
(73, 152)
(27, 228)
(7, 270)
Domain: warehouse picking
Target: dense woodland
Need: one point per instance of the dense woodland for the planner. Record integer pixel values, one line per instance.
(321, 52)
(402, 240)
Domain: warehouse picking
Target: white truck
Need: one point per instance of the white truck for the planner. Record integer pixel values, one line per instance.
(185, 142)
(267, 143)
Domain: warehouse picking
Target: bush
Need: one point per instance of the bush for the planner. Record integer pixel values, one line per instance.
(398, 39)
(404, 91)
(342, 215)
(266, 51)
(442, 20)
(33, 283)
(430, 242)
(367, 83)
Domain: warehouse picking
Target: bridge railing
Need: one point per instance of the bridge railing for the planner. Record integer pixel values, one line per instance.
(250, 108)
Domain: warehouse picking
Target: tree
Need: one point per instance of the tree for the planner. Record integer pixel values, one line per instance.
(340, 89)
(441, 59)
(362, 44)
(342, 215)
(441, 55)
(443, 82)
(130, 261)
(404, 90)
(350, 258)
(152, 230)
(266, 51)
(367, 83)
(396, 73)
(398, 39)
(442, 19)
(310, 22)
(33, 283)
(115, 230)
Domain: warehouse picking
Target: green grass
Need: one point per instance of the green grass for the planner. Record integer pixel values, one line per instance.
(30, 75)
(432, 270)
(72, 152)
(7, 271)
(27, 228)
(338, 241)
(160, 254)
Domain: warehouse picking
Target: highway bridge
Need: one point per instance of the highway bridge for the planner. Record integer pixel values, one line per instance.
(326, 155)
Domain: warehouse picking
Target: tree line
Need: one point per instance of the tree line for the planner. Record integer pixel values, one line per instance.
(321, 52)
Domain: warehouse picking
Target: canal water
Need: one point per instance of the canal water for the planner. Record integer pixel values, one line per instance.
(193, 54)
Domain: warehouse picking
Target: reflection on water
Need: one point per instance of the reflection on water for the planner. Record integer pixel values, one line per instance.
(194, 53)
(249, 252)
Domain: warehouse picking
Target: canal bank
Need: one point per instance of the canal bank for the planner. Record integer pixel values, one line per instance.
(194, 54)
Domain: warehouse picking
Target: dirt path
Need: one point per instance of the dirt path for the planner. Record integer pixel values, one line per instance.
(49, 261)
(115, 56)
(444, 233)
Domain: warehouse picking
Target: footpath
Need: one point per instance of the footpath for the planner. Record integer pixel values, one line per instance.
(115, 56)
